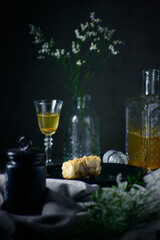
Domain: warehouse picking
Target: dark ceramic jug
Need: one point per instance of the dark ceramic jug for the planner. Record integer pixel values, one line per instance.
(25, 179)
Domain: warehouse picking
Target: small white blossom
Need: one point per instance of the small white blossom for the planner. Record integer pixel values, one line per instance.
(116, 42)
(37, 34)
(41, 57)
(84, 26)
(68, 54)
(96, 39)
(92, 24)
(111, 46)
(77, 33)
(100, 29)
(93, 46)
(36, 40)
(108, 34)
(78, 36)
(57, 53)
(113, 51)
(33, 29)
(79, 62)
(75, 47)
(62, 51)
(97, 20)
(91, 33)
(45, 45)
(51, 42)
(92, 16)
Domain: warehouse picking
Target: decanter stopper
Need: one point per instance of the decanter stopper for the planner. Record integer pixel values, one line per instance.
(151, 82)
(113, 156)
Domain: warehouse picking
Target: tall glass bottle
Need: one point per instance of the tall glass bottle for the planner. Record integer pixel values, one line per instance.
(81, 130)
(143, 124)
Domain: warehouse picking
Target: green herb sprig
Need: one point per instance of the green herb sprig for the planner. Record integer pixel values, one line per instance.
(119, 208)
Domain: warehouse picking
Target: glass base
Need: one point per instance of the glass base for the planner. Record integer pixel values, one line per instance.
(49, 163)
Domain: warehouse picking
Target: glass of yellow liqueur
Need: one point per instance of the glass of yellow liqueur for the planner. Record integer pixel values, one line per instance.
(143, 124)
(48, 114)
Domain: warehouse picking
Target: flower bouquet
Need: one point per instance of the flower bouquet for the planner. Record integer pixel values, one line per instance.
(92, 47)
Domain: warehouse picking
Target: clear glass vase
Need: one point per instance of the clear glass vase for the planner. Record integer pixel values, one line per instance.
(81, 130)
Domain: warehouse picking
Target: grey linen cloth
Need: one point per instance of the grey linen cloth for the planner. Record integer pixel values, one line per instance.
(63, 205)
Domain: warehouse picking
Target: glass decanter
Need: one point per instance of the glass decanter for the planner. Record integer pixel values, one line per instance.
(81, 130)
(143, 124)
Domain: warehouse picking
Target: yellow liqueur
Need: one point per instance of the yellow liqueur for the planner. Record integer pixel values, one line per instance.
(143, 151)
(48, 122)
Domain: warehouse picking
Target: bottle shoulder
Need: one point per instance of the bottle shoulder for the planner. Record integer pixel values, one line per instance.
(144, 100)
(79, 115)
(81, 112)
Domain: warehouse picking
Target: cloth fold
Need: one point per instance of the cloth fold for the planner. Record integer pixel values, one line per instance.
(62, 205)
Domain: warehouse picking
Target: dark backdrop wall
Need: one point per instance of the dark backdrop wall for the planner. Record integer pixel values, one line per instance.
(25, 78)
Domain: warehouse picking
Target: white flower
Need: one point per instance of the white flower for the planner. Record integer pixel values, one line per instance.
(36, 40)
(100, 29)
(77, 33)
(108, 33)
(45, 49)
(113, 51)
(41, 57)
(45, 45)
(116, 42)
(33, 29)
(57, 53)
(79, 62)
(92, 16)
(78, 36)
(84, 26)
(91, 33)
(62, 51)
(97, 20)
(93, 46)
(111, 46)
(75, 47)
(92, 24)
(96, 39)
(68, 54)
(37, 34)
(51, 42)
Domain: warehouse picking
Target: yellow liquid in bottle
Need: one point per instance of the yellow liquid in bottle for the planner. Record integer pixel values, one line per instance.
(48, 123)
(143, 151)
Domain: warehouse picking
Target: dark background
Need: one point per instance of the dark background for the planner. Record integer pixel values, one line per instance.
(24, 78)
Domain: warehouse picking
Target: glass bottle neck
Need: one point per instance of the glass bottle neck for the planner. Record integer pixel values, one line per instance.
(82, 102)
(151, 82)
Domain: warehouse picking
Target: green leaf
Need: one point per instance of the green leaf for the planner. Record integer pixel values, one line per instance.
(129, 179)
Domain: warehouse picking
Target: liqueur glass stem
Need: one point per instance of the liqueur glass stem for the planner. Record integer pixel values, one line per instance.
(48, 114)
(48, 142)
